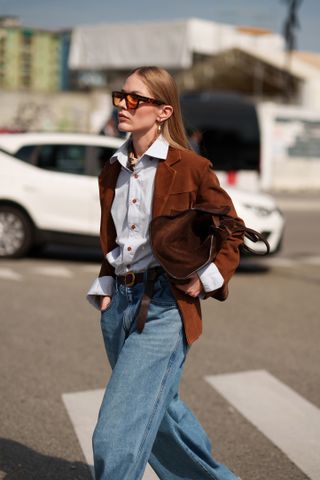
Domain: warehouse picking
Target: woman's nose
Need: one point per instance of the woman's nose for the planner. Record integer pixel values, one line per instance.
(122, 104)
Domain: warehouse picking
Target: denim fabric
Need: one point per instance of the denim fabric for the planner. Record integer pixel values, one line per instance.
(141, 418)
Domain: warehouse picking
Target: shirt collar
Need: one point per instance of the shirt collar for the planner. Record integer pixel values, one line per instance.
(159, 149)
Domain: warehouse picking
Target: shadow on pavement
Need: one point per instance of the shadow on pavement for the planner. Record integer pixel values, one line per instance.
(72, 254)
(252, 267)
(18, 462)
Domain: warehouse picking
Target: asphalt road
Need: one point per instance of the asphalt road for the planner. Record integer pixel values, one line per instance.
(51, 344)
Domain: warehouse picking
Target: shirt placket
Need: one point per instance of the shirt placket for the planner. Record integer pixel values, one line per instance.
(133, 218)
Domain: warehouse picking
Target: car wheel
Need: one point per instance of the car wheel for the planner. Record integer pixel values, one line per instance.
(16, 232)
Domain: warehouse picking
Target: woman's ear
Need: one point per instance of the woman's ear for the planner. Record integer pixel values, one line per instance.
(165, 112)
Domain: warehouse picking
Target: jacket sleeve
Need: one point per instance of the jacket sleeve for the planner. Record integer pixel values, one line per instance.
(103, 285)
(107, 228)
(228, 257)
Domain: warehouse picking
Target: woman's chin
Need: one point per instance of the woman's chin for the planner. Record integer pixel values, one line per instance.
(123, 127)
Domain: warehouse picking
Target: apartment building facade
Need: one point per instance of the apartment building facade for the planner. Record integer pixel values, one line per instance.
(32, 59)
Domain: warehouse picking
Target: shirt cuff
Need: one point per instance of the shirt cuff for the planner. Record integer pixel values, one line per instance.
(101, 286)
(113, 256)
(210, 277)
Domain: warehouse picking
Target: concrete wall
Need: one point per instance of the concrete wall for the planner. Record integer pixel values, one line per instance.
(61, 111)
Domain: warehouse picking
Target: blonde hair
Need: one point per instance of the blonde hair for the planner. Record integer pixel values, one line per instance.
(163, 87)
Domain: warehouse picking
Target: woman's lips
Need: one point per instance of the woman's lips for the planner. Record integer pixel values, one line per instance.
(122, 117)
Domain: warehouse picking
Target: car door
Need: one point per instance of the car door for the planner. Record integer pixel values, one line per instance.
(59, 189)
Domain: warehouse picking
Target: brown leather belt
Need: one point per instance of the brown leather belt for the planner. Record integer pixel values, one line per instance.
(131, 279)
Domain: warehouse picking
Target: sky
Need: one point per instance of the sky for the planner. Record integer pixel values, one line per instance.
(262, 13)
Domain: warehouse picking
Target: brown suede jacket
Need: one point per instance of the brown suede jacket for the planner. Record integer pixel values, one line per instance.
(182, 180)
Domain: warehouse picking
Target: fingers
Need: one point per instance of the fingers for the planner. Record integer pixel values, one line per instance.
(105, 302)
(192, 288)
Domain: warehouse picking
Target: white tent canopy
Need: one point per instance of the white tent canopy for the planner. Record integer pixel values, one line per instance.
(168, 44)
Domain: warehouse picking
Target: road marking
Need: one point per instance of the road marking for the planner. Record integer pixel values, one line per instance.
(92, 268)
(298, 205)
(9, 274)
(287, 419)
(53, 271)
(280, 262)
(311, 260)
(83, 409)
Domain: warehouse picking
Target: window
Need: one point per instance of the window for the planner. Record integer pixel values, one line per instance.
(97, 158)
(62, 158)
(27, 154)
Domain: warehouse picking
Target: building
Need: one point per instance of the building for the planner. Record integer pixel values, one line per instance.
(31, 58)
(107, 52)
(202, 55)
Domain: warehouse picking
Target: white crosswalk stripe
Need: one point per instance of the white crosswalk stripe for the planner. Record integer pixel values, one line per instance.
(83, 408)
(91, 268)
(287, 419)
(312, 261)
(10, 274)
(299, 205)
(53, 271)
(280, 262)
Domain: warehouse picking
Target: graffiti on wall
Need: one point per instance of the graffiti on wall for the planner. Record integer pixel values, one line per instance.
(296, 138)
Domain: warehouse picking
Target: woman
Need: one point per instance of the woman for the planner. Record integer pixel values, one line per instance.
(141, 418)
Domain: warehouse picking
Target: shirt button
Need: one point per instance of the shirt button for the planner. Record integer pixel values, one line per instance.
(133, 226)
(129, 249)
(134, 200)
(136, 175)
(129, 266)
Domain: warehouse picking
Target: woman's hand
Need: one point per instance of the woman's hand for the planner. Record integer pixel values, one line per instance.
(105, 302)
(193, 287)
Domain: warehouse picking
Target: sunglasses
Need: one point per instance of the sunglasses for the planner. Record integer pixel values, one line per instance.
(132, 100)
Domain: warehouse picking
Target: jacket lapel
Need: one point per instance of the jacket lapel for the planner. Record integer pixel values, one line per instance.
(164, 180)
(108, 181)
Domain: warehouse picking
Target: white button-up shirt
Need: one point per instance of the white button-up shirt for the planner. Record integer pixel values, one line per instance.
(131, 209)
(132, 212)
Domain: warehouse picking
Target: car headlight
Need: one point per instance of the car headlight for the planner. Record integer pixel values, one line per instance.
(259, 210)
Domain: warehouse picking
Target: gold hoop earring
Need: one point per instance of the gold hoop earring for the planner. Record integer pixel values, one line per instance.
(159, 128)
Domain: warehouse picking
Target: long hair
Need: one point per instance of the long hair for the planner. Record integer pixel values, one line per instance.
(162, 86)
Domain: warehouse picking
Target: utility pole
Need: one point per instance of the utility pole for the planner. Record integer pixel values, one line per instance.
(290, 26)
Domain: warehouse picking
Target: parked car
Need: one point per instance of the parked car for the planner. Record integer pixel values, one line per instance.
(49, 192)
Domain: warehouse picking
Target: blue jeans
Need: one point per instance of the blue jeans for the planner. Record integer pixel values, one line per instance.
(141, 418)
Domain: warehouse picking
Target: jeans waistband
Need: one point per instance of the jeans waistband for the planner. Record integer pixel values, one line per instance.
(149, 277)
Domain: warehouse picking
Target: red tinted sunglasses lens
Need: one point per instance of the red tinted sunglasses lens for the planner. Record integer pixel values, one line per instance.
(131, 100)
(117, 97)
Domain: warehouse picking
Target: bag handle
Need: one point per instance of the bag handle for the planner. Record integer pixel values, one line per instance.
(255, 237)
(230, 225)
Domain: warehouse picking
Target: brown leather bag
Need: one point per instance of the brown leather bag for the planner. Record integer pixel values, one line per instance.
(188, 240)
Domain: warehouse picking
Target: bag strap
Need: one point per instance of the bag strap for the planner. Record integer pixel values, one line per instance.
(255, 237)
(229, 225)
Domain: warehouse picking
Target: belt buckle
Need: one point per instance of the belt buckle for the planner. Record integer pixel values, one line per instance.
(129, 283)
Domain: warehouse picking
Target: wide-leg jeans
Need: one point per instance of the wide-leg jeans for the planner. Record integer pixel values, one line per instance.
(141, 418)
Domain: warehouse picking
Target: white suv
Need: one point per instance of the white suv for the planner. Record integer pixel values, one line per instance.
(48, 189)
(49, 192)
